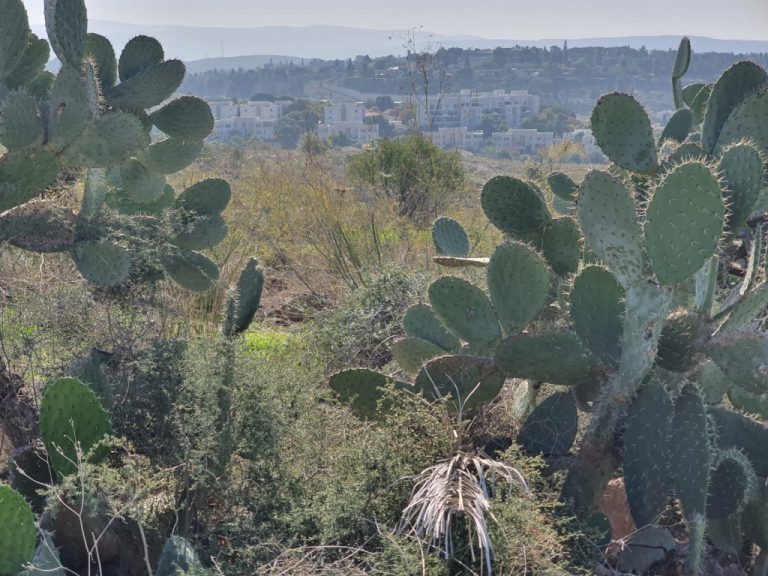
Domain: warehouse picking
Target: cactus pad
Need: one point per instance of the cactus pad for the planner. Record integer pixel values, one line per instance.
(690, 454)
(140, 52)
(21, 125)
(597, 310)
(71, 414)
(465, 310)
(101, 262)
(553, 357)
(191, 270)
(748, 120)
(449, 238)
(32, 62)
(420, 321)
(68, 111)
(100, 50)
(678, 126)
(518, 283)
(738, 431)
(206, 197)
(563, 245)
(733, 86)
(149, 87)
(17, 531)
(681, 337)
(107, 140)
(550, 429)
(24, 175)
(742, 167)
(743, 358)
(749, 403)
(607, 217)
(684, 222)
(249, 287)
(186, 118)
(411, 353)
(200, 233)
(14, 28)
(514, 206)
(646, 453)
(732, 484)
(170, 155)
(623, 132)
(141, 184)
(562, 186)
(66, 23)
(471, 380)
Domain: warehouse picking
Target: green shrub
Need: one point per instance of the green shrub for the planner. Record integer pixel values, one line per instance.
(358, 330)
(420, 177)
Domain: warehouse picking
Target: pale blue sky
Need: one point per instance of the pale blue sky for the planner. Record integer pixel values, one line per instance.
(525, 19)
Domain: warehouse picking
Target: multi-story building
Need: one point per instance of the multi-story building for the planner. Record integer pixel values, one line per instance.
(457, 138)
(357, 132)
(261, 109)
(470, 109)
(255, 119)
(343, 112)
(523, 140)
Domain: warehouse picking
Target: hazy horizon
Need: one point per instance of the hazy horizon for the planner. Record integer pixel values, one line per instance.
(743, 20)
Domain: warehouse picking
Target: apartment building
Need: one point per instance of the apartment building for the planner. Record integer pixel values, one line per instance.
(343, 112)
(355, 131)
(523, 140)
(468, 109)
(254, 119)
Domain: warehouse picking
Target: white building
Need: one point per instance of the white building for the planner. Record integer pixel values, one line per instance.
(254, 119)
(468, 109)
(246, 127)
(357, 132)
(261, 109)
(344, 112)
(457, 138)
(224, 110)
(523, 140)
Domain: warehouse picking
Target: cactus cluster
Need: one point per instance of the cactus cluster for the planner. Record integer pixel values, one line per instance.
(626, 300)
(112, 117)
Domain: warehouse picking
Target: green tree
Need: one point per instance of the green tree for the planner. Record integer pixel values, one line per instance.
(420, 177)
(386, 129)
(299, 118)
(552, 119)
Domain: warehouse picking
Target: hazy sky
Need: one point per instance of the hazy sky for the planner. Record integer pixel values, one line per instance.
(525, 19)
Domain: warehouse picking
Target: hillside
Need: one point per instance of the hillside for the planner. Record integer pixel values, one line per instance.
(573, 78)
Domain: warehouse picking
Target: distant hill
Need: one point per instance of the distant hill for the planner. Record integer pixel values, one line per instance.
(336, 42)
(237, 62)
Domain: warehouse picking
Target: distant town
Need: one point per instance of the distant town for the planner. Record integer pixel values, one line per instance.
(466, 120)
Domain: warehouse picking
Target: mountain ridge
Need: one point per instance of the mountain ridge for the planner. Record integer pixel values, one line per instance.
(192, 43)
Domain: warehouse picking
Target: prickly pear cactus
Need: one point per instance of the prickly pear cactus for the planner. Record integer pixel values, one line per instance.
(92, 115)
(17, 532)
(71, 419)
(622, 305)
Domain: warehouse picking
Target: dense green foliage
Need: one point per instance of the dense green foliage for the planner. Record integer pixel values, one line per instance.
(419, 176)
(574, 78)
(617, 329)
